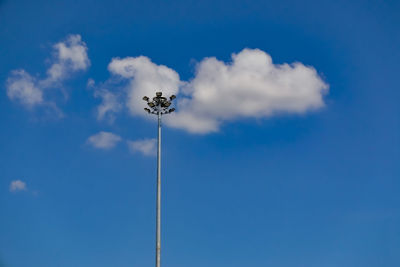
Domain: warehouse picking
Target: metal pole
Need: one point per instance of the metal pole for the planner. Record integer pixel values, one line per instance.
(158, 213)
(158, 105)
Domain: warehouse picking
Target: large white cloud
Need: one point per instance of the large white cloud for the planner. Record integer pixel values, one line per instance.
(250, 86)
(69, 56)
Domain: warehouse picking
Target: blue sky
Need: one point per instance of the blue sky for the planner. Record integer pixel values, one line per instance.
(309, 178)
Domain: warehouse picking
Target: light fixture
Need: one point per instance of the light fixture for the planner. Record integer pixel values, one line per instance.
(166, 104)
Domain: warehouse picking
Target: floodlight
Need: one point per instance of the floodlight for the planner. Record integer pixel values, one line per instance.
(158, 94)
(148, 110)
(172, 97)
(145, 98)
(151, 104)
(171, 110)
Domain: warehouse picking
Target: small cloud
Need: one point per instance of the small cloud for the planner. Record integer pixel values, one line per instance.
(70, 56)
(21, 87)
(145, 146)
(110, 105)
(90, 83)
(104, 140)
(17, 186)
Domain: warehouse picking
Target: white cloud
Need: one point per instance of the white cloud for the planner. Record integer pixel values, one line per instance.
(104, 140)
(145, 146)
(250, 86)
(21, 87)
(73, 53)
(69, 56)
(17, 185)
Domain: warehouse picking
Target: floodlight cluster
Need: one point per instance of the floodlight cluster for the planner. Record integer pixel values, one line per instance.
(159, 104)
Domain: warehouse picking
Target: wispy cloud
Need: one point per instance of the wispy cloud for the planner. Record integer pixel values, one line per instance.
(104, 140)
(17, 186)
(107, 140)
(109, 106)
(145, 146)
(69, 56)
(111, 101)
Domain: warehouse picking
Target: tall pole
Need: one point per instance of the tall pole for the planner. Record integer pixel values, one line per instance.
(159, 106)
(158, 219)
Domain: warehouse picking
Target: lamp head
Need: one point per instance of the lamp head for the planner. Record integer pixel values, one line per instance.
(159, 104)
(166, 104)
